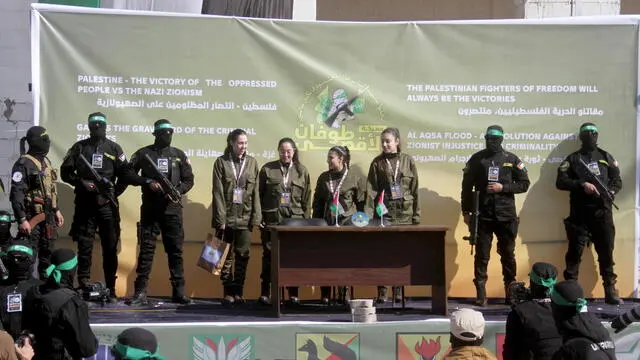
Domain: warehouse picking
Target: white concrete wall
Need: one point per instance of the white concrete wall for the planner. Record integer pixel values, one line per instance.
(16, 107)
(538, 9)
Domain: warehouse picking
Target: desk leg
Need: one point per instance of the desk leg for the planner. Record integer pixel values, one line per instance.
(439, 300)
(275, 275)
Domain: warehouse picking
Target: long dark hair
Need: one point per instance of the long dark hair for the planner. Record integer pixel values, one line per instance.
(396, 134)
(296, 157)
(344, 154)
(231, 138)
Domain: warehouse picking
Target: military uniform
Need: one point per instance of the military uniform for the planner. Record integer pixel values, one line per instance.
(236, 206)
(395, 177)
(590, 216)
(285, 192)
(5, 229)
(92, 209)
(497, 210)
(158, 215)
(33, 192)
(351, 197)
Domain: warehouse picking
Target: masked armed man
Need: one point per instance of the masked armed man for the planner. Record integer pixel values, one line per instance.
(95, 203)
(5, 229)
(590, 215)
(161, 213)
(498, 175)
(33, 195)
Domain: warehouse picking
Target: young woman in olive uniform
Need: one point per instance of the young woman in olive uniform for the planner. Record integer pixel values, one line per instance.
(394, 173)
(285, 192)
(236, 210)
(347, 185)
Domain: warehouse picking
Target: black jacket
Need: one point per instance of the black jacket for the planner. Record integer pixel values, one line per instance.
(531, 332)
(584, 338)
(509, 171)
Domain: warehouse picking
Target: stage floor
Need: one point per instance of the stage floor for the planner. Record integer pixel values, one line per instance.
(160, 310)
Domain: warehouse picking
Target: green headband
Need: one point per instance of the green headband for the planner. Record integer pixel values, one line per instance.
(5, 218)
(55, 269)
(131, 353)
(556, 298)
(163, 126)
(98, 118)
(548, 283)
(20, 248)
(495, 132)
(589, 128)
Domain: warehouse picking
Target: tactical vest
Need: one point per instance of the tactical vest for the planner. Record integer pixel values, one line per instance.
(45, 189)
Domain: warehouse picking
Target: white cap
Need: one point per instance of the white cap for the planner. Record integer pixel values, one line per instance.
(467, 321)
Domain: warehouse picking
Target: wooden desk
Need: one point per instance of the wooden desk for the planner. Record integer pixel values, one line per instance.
(350, 255)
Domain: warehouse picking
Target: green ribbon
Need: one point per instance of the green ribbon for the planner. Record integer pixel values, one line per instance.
(558, 299)
(495, 132)
(5, 218)
(98, 118)
(163, 126)
(55, 269)
(589, 128)
(541, 281)
(131, 353)
(20, 248)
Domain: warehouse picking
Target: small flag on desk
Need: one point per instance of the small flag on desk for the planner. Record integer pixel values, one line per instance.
(336, 207)
(381, 209)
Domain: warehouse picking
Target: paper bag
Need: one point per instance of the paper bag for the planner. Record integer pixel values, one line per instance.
(214, 253)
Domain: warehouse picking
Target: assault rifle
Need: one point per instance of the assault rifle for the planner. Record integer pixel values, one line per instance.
(604, 190)
(473, 223)
(104, 185)
(47, 215)
(167, 187)
(344, 107)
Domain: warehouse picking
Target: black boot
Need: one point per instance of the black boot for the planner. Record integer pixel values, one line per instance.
(178, 296)
(397, 294)
(345, 295)
(113, 298)
(228, 296)
(611, 295)
(139, 299)
(481, 294)
(264, 294)
(382, 295)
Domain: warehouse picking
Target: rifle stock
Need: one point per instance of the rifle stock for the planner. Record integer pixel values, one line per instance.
(167, 187)
(104, 185)
(604, 190)
(473, 223)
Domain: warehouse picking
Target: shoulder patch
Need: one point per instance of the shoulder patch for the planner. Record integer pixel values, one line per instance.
(564, 166)
(520, 165)
(122, 157)
(16, 177)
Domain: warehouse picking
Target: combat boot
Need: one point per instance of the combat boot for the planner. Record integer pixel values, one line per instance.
(139, 299)
(228, 296)
(178, 296)
(611, 295)
(382, 295)
(481, 294)
(264, 295)
(112, 298)
(345, 295)
(397, 294)
(507, 294)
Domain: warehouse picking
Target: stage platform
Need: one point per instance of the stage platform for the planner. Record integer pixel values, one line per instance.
(310, 331)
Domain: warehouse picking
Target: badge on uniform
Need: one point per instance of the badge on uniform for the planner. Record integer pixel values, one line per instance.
(494, 173)
(238, 196)
(14, 302)
(163, 165)
(396, 192)
(285, 199)
(96, 161)
(594, 168)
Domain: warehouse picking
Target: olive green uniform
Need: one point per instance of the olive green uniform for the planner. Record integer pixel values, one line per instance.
(281, 200)
(397, 176)
(236, 205)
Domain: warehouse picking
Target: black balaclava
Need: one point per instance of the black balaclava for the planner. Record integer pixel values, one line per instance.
(163, 131)
(38, 140)
(567, 300)
(97, 125)
(18, 259)
(588, 136)
(542, 278)
(63, 268)
(493, 138)
(5, 227)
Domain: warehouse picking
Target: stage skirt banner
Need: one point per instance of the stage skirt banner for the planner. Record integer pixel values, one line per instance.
(440, 83)
(403, 340)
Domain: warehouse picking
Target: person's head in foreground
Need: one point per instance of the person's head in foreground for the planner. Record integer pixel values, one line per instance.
(542, 278)
(567, 300)
(467, 328)
(63, 266)
(136, 344)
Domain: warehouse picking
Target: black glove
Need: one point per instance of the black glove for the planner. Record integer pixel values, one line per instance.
(89, 185)
(618, 325)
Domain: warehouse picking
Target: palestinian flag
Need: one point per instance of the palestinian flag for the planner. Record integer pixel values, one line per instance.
(336, 207)
(381, 209)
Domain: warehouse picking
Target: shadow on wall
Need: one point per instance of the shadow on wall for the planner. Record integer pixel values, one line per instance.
(541, 221)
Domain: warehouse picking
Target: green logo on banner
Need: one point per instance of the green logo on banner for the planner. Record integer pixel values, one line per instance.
(328, 346)
(223, 347)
